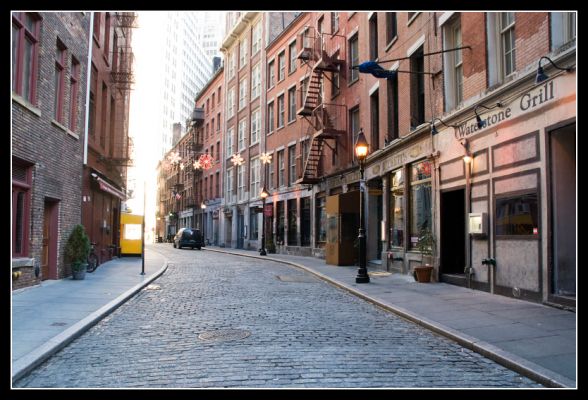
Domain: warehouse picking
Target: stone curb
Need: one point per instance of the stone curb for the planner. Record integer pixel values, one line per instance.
(30, 361)
(524, 367)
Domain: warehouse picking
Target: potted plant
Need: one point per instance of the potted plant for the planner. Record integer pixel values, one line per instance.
(426, 245)
(270, 245)
(77, 249)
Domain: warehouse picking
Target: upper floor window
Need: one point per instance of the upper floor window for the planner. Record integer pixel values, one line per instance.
(563, 28)
(373, 36)
(270, 117)
(453, 64)
(354, 57)
(507, 35)
(281, 66)
(21, 208)
(59, 81)
(271, 74)
(256, 81)
(292, 104)
(241, 134)
(256, 39)
(25, 47)
(232, 58)
(242, 93)
(255, 126)
(334, 22)
(501, 46)
(292, 52)
(231, 103)
(243, 53)
(417, 88)
(391, 28)
(74, 89)
(281, 111)
(292, 166)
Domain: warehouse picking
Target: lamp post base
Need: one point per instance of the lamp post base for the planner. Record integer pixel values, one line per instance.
(362, 277)
(262, 252)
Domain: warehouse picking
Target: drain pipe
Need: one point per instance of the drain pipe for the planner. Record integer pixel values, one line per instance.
(88, 86)
(468, 267)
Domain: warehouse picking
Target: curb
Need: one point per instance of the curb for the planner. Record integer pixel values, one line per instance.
(30, 361)
(524, 367)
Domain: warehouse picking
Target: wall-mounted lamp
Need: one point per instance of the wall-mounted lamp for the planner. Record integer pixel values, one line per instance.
(541, 76)
(434, 130)
(479, 121)
(467, 158)
(203, 206)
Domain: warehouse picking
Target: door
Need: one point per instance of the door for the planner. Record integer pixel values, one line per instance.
(453, 232)
(49, 251)
(240, 230)
(563, 211)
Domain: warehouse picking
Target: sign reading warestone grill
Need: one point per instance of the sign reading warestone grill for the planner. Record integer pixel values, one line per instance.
(527, 102)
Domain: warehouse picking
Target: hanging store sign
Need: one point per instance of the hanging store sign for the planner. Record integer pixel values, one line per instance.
(529, 101)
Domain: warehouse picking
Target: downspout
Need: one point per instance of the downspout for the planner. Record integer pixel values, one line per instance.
(468, 267)
(88, 81)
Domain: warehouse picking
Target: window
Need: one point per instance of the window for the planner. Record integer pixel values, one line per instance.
(230, 147)
(397, 209)
(230, 184)
(517, 215)
(281, 111)
(319, 24)
(507, 21)
(270, 117)
(292, 52)
(104, 115)
(391, 31)
(218, 122)
(354, 58)
(231, 103)
(218, 150)
(256, 39)
(292, 104)
(256, 82)
(292, 222)
(242, 129)
(243, 53)
(254, 188)
(25, 48)
(59, 82)
(281, 168)
(253, 229)
(420, 200)
(21, 208)
(354, 127)
(219, 95)
(280, 223)
(373, 37)
(321, 220)
(106, 36)
(240, 182)
(255, 126)
(74, 88)
(96, 31)
(453, 65)
(242, 93)
(375, 122)
(281, 66)
(271, 76)
(563, 28)
(217, 183)
(417, 89)
(334, 22)
(271, 167)
(292, 161)
(232, 58)
(212, 102)
(392, 87)
(336, 81)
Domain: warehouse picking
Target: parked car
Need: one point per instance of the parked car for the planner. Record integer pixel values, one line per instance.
(189, 237)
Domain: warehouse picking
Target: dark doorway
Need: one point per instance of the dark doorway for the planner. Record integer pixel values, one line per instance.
(240, 229)
(563, 212)
(453, 232)
(49, 254)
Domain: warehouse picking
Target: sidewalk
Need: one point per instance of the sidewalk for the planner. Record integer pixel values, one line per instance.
(45, 318)
(535, 340)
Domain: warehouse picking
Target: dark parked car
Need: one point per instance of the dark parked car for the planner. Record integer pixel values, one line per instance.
(188, 237)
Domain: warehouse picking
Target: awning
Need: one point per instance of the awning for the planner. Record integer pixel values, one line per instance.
(107, 187)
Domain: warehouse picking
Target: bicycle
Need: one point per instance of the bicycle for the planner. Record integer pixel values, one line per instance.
(93, 260)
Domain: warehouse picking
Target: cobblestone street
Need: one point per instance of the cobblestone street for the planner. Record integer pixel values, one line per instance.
(215, 320)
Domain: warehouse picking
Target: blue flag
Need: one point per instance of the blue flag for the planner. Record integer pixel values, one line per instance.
(372, 67)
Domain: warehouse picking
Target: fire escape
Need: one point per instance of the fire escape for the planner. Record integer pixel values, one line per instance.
(323, 54)
(193, 149)
(120, 155)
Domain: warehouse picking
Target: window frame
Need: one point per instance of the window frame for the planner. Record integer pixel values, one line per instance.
(353, 60)
(59, 82)
(23, 34)
(292, 104)
(74, 89)
(23, 187)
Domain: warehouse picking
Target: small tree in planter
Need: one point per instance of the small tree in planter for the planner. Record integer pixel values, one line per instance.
(426, 246)
(77, 249)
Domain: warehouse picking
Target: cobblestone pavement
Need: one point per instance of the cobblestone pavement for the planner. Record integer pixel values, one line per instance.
(216, 320)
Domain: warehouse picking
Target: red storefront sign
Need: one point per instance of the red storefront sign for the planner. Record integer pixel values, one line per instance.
(268, 210)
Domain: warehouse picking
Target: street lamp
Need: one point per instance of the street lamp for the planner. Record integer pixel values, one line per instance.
(361, 151)
(263, 195)
(203, 207)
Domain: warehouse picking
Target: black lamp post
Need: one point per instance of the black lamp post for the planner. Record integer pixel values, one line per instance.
(361, 151)
(263, 195)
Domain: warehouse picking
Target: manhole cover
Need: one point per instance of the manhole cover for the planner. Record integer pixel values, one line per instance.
(153, 287)
(296, 278)
(222, 335)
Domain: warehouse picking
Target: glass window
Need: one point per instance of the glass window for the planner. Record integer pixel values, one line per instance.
(292, 52)
(270, 117)
(281, 66)
(281, 222)
(420, 200)
(507, 22)
(253, 229)
(517, 215)
(292, 222)
(354, 57)
(397, 209)
(321, 220)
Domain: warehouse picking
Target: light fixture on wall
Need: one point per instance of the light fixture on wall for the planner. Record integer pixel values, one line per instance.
(479, 121)
(434, 130)
(542, 76)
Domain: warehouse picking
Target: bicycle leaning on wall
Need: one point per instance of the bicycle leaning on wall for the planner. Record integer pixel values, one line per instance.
(93, 260)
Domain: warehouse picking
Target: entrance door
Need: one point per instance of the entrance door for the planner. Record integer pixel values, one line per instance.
(563, 214)
(240, 230)
(49, 252)
(453, 232)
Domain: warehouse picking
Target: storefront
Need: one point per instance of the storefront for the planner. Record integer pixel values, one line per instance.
(508, 216)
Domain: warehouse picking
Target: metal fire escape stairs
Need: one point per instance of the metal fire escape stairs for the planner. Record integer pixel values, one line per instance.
(321, 53)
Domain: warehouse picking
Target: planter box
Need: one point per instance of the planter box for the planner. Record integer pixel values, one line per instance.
(423, 274)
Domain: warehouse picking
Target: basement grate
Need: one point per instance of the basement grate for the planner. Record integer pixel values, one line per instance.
(223, 335)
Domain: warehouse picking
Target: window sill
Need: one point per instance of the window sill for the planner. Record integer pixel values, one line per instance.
(65, 129)
(351, 83)
(20, 262)
(389, 45)
(291, 122)
(411, 20)
(25, 103)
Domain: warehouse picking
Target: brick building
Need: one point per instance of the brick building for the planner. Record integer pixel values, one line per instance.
(109, 150)
(49, 71)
